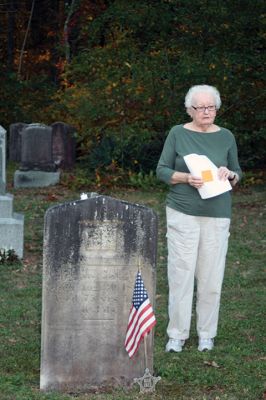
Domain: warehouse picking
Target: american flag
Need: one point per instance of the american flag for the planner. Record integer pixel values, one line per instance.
(141, 317)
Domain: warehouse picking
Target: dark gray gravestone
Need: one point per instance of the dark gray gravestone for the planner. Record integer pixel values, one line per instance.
(36, 148)
(37, 167)
(11, 224)
(15, 141)
(63, 146)
(2, 160)
(92, 251)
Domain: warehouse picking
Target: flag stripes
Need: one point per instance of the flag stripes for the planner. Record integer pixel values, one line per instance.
(141, 318)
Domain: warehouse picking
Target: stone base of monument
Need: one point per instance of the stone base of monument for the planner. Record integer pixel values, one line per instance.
(23, 179)
(6, 205)
(11, 226)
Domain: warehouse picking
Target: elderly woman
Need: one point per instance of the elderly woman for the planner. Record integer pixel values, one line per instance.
(197, 229)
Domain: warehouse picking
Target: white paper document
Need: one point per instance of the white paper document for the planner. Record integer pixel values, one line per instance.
(202, 167)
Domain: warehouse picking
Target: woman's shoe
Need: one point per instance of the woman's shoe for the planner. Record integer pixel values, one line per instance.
(174, 345)
(205, 344)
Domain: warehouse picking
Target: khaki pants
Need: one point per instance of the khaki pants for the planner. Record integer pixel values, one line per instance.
(197, 248)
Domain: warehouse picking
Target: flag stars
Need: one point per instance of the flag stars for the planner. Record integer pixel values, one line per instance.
(140, 294)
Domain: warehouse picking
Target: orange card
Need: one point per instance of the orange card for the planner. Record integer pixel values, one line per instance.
(207, 175)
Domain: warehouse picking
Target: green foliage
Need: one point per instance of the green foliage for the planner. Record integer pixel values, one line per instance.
(8, 256)
(143, 181)
(131, 65)
(126, 87)
(24, 101)
(253, 178)
(76, 180)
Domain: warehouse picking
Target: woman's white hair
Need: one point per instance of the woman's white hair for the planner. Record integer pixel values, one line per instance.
(199, 89)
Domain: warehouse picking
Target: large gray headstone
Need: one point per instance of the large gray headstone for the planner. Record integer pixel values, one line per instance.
(11, 224)
(92, 252)
(2, 160)
(37, 167)
(36, 148)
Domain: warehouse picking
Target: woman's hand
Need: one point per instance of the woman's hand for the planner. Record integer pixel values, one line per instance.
(225, 173)
(195, 181)
(184, 177)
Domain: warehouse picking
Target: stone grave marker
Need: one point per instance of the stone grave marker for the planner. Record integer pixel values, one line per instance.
(11, 224)
(63, 145)
(15, 141)
(37, 167)
(36, 148)
(92, 252)
(2, 160)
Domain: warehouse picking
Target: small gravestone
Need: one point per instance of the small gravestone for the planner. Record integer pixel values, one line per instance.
(36, 148)
(37, 167)
(2, 160)
(15, 141)
(63, 144)
(92, 251)
(11, 224)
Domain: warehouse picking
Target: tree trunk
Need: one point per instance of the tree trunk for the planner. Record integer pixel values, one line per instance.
(10, 34)
(25, 38)
(66, 30)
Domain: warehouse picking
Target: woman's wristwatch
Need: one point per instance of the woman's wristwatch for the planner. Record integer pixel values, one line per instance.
(231, 179)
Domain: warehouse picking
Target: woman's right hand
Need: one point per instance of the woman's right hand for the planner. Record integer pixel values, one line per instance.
(195, 181)
(184, 177)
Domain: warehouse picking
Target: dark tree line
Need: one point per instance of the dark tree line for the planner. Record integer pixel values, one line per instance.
(118, 70)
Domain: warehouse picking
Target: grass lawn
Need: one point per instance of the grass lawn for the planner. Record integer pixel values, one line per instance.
(234, 370)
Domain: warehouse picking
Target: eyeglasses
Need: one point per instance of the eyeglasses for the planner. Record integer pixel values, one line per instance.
(203, 109)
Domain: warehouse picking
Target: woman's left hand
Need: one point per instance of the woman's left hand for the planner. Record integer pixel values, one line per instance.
(224, 173)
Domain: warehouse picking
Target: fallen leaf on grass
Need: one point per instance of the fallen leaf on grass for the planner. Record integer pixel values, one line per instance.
(239, 316)
(29, 246)
(244, 222)
(51, 197)
(251, 338)
(211, 364)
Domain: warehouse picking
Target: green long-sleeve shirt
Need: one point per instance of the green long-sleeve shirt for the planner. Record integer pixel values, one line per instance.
(220, 147)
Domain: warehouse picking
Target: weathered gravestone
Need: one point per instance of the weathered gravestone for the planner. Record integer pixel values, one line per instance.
(11, 224)
(2, 160)
(63, 140)
(15, 141)
(37, 167)
(36, 148)
(92, 252)
(63, 146)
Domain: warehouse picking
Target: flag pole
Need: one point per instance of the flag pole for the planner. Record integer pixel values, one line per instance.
(140, 303)
(145, 337)
(145, 352)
